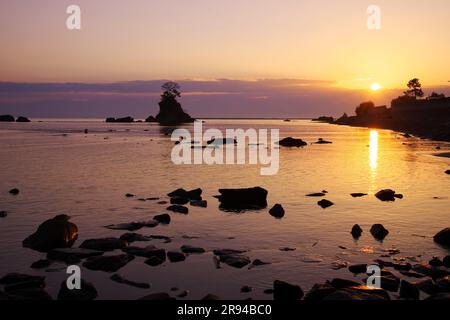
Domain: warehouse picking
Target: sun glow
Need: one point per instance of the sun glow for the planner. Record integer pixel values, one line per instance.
(373, 153)
(375, 86)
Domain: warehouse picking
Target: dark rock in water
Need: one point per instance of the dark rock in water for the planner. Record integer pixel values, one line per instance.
(160, 296)
(235, 260)
(171, 113)
(110, 120)
(178, 200)
(317, 194)
(246, 289)
(130, 195)
(132, 226)
(426, 270)
(183, 294)
(358, 195)
(225, 252)
(411, 274)
(427, 286)
(72, 255)
(287, 249)
(379, 232)
(321, 141)
(119, 279)
(398, 196)
(257, 263)
(29, 294)
(104, 244)
(120, 120)
(277, 211)
(40, 264)
(195, 194)
(408, 291)
(147, 252)
(86, 293)
(199, 203)
(175, 256)
(154, 261)
(319, 291)
(446, 261)
(3, 214)
(14, 191)
(162, 218)
(389, 282)
(6, 118)
(158, 237)
(210, 297)
(20, 280)
(134, 237)
(439, 297)
(435, 262)
(286, 291)
(223, 141)
(358, 268)
(358, 293)
(447, 172)
(356, 231)
(54, 233)
(178, 209)
(443, 237)
(241, 199)
(190, 249)
(325, 203)
(402, 266)
(444, 284)
(386, 195)
(107, 263)
(292, 142)
(23, 119)
(150, 119)
(343, 283)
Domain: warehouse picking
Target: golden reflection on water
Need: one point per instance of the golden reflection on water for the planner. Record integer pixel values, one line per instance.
(373, 153)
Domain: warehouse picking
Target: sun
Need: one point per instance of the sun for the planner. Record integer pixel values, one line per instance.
(375, 86)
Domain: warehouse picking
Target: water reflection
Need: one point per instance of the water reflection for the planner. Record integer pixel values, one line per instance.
(373, 153)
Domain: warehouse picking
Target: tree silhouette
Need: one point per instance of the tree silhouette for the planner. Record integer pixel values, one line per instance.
(171, 91)
(415, 88)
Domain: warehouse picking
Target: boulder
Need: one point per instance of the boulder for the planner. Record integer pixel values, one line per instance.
(175, 256)
(386, 195)
(107, 263)
(356, 231)
(104, 244)
(86, 293)
(443, 237)
(286, 291)
(195, 194)
(6, 118)
(292, 142)
(171, 113)
(162, 218)
(23, 119)
(325, 203)
(119, 279)
(358, 268)
(178, 200)
(277, 211)
(379, 232)
(242, 199)
(435, 262)
(447, 172)
(54, 233)
(178, 209)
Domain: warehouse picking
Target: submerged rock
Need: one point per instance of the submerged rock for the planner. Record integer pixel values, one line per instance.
(3, 214)
(386, 195)
(40, 264)
(14, 191)
(210, 297)
(72, 255)
(178, 209)
(147, 252)
(86, 293)
(175, 256)
(134, 237)
(22, 119)
(317, 194)
(107, 263)
(246, 289)
(119, 279)
(292, 142)
(286, 291)
(160, 296)
(241, 199)
(435, 262)
(277, 211)
(104, 244)
(358, 268)
(379, 232)
(235, 260)
(154, 261)
(321, 141)
(199, 203)
(443, 237)
(358, 195)
(132, 226)
(356, 231)
(20, 280)
(339, 283)
(408, 291)
(190, 249)
(162, 218)
(54, 233)
(325, 203)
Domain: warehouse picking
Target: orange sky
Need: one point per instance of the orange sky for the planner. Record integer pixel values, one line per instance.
(204, 39)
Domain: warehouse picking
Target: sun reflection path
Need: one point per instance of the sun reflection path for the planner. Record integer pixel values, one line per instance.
(373, 153)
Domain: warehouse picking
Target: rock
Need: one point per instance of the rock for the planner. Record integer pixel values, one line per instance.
(402, 266)
(398, 196)
(427, 286)
(157, 237)
(225, 252)
(286, 291)
(183, 294)
(287, 249)
(408, 291)
(14, 281)
(316, 195)
(358, 293)
(435, 262)
(29, 294)
(386, 195)
(104, 244)
(444, 284)
(130, 195)
(242, 199)
(147, 252)
(6, 118)
(119, 279)
(257, 263)
(154, 261)
(190, 249)
(379, 232)
(86, 293)
(54, 233)
(22, 119)
(292, 142)
(120, 120)
(40, 264)
(321, 141)
(319, 291)
(356, 231)
(246, 289)
(199, 203)
(358, 268)
(178, 200)
(72, 255)
(3, 214)
(223, 141)
(411, 274)
(339, 283)
(358, 195)
(160, 296)
(443, 237)
(447, 172)
(277, 211)
(150, 119)
(175, 256)
(162, 218)
(107, 263)
(389, 282)
(178, 209)
(446, 261)
(325, 203)
(134, 237)
(210, 297)
(132, 226)
(171, 113)
(14, 191)
(235, 260)
(195, 194)
(439, 297)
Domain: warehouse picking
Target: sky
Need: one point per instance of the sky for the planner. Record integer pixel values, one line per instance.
(299, 57)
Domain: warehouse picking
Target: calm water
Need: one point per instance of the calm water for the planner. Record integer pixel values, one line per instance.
(59, 169)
